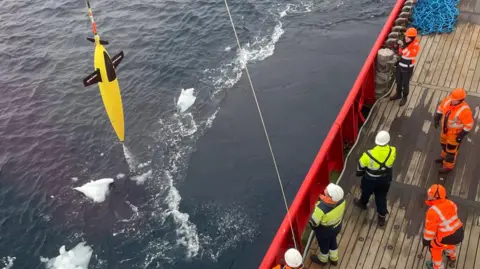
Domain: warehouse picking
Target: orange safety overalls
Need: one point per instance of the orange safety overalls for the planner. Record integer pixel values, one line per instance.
(443, 229)
(454, 120)
(408, 54)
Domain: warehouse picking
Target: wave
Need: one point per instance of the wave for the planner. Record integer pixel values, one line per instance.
(175, 142)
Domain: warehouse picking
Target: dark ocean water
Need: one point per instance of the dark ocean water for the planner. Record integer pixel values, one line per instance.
(209, 197)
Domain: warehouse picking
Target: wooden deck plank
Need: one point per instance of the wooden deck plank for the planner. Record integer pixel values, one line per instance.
(464, 61)
(395, 243)
(413, 256)
(368, 240)
(475, 85)
(476, 229)
(422, 42)
(473, 244)
(462, 77)
(377, 247)
(464, 5)
(421, 57)
(355, 244)
(442, 59)
(427, 66)
(415, 178)
(435, 59)
(468, 226)
(451, 52)
(429, 141)
(477, 198)
(349, 230)
(473, 65)
(471, 5)
(457, 59)
(384, 108)
(411, 96)
(408, 112)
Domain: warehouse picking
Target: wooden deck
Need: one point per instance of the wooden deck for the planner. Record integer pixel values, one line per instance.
(445, 62)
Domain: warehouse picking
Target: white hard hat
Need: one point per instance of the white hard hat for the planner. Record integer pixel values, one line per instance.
(293, 258)
(335, 192)
(382, 138)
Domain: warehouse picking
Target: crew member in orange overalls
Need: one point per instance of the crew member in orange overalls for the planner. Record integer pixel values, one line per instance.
(404, 69)
(443, 229)
(293, 260)
(457, 120)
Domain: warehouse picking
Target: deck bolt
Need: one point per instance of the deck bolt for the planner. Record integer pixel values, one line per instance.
(396, 226)
(390, 247)
(361, 239)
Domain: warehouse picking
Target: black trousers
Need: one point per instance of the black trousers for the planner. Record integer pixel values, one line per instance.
(379, 187)
(327, 238)
(455, 238)
(402, 77)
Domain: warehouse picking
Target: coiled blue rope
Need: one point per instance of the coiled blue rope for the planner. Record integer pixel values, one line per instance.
(435, 16)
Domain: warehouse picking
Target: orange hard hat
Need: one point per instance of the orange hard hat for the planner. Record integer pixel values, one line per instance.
(411, 32)
(458, 94)
(436, 191)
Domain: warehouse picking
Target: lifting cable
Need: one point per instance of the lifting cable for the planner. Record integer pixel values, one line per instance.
(264, 127)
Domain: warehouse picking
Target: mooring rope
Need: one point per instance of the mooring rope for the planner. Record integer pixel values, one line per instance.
(264, 128)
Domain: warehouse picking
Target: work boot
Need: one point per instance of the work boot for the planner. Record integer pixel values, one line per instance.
(429, 264)
(403, 101)
(315, 259)
(359, 204)
(395, 97)
(439, 160)
(381, 220)
(444, 170)
(451, 261)
(334, 263)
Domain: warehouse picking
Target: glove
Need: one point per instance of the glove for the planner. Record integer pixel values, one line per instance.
(436, 120)
(400, 42)
(461, 135)
(426, 243)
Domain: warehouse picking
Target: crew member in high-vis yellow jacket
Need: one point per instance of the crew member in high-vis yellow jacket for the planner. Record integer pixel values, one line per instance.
(326, 222)
(375, 168)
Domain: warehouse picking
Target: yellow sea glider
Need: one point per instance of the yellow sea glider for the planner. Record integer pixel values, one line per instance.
(106, 78)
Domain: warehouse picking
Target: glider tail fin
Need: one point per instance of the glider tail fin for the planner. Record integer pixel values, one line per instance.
(117, 59)
(93, 78)
(102, 42)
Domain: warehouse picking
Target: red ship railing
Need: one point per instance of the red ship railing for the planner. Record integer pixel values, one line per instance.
(331, 155)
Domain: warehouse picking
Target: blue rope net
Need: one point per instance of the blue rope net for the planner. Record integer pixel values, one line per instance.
(434, 16)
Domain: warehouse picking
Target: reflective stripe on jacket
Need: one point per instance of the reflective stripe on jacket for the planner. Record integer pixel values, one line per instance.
(380, 153)
(327, 215)
(408, 54)
(456, 117)
(441, 220)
